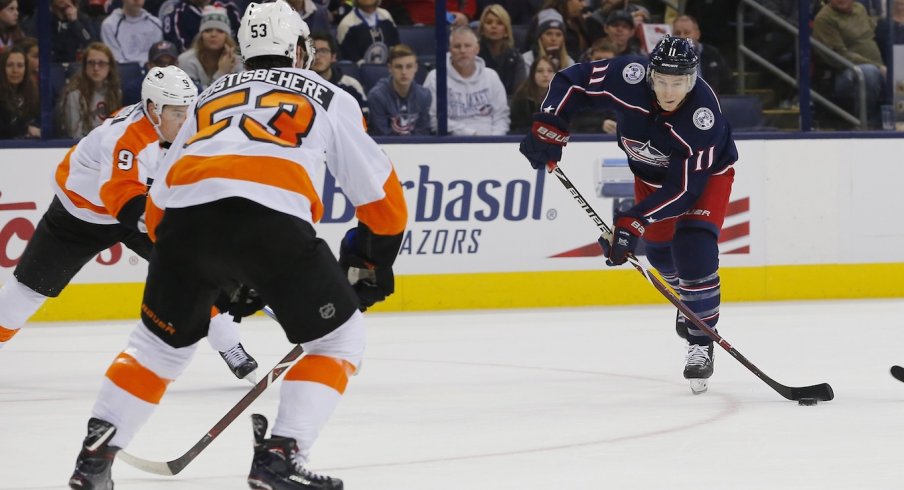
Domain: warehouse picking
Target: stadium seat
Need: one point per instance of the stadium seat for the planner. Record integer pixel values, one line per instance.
(128, 72)
(425, 63)
(744, 112)
(349, 68)
(421, 39)
(371, 73)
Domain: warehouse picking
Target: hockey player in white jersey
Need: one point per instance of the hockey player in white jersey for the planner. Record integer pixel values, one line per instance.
(100, 191)
(235, 203)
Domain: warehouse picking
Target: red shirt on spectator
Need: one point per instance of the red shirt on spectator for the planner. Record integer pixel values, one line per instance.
(423, 11)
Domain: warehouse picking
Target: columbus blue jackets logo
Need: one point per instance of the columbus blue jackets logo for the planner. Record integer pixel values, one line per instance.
(633, 73)
(643, 151)
(704, 118)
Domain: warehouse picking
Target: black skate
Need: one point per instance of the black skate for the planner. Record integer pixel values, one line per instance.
(275, 467)
(698, 366)
(241, 363)
(681, 325)
(92, 468)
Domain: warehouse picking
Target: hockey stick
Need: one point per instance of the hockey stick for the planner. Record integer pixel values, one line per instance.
(821, 392)
(175, 466)
(898, 373)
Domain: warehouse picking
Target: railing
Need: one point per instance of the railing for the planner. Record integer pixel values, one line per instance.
(858, 120)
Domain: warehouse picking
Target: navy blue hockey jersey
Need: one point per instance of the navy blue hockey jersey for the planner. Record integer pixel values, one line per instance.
(675, 152)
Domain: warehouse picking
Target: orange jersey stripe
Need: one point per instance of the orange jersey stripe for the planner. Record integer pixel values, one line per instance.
(139, 381)
(62, 174)
(322, 369)
(272, 171)
(389, 215)
(7, 333)
(125, 183)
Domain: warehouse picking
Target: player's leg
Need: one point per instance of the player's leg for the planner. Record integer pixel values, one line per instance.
(223, 334)
(60, 246)
(660, 256)
(175, 311)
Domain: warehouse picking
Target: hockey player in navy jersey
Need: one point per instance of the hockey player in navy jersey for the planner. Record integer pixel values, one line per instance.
(681, 151)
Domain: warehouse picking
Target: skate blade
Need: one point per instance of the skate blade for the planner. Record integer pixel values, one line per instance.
(252, 377)
(699, 386)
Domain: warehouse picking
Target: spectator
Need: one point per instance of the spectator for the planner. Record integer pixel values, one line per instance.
(92, 94)
(315, 15)
(897, 20)
(592, 120)
(572, 15)
(212, 54)
(527, 99)
(712, 68)
(520, 11)
(550, 42)
(182, 24)
(161, 54)
(29, 46)
(423, 12)
(497, 48)
(620, 29)
(845, 27)
(73, 31)
(398, 105)
(130, 31)
(10, 30)
(19, 105)
(477, 104)
(325, 49)
(366, 33)
(595, 23)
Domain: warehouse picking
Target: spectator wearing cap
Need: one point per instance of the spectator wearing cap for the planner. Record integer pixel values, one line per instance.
(497, 47)
(213, 52)
(712, 67)
(182, 24)
(366, 33)
(596, 21)
(620, 29)
(572, 15)
(130, 32)
(161, 54)
(550, 42)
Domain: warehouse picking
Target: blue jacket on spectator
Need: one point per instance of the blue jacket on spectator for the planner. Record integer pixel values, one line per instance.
(367, 38)
(181, 25)
(392, 115)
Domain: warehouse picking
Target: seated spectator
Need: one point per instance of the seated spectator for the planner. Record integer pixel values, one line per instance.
(398, 105)
(572, 14)
(130, 31)
(10, 30)
(845, 27)
(92, 94)
(366, 33)
(423, 12)
(712, 68)
(162, 54)
(72, 30)
(620, 29)
(550, 42)
(181, 25)
(595, 23)
(19, 104)
(325, 49)
(520, 11)
(897, 25)
(497, 48)
(591, 121)
(213, 53)
(476, 99)
(530, 94)
(315, 15)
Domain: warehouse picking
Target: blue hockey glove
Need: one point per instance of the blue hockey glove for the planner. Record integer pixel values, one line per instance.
(628, 230)
(545, 141)
(371, 281)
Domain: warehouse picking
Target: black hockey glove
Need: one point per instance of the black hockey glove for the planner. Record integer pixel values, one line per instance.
(628, 230)
(241, 302)
(545, 141)
(367, 260)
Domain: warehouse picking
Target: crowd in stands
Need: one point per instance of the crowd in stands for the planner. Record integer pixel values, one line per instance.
(502, 54)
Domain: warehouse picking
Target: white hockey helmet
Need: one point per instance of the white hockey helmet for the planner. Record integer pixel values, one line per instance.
(274, 29)
(167, 86)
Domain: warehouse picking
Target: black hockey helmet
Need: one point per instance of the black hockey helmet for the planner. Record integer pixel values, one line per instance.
(674, 56)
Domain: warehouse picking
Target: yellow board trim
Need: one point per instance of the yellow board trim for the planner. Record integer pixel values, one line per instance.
(623, 286)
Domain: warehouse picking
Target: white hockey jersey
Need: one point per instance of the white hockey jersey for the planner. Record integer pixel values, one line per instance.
(109, 167)
(266, 136)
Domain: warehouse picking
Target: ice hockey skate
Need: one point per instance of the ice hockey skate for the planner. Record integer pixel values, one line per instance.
(698, 366)
(242, 365)
(276, 465)
(92, 467)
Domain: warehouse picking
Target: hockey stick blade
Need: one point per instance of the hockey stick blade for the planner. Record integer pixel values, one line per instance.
(898, 373)
(821, 392)
(175, 466)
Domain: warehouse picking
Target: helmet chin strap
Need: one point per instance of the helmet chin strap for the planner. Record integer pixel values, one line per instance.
(156, 125)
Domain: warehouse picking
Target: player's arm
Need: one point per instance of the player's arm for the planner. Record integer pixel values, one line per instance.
(123, 193)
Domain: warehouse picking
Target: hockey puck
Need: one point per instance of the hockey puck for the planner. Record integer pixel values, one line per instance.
(807, 401)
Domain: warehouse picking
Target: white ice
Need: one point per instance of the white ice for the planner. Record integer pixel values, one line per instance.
(589, 398)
